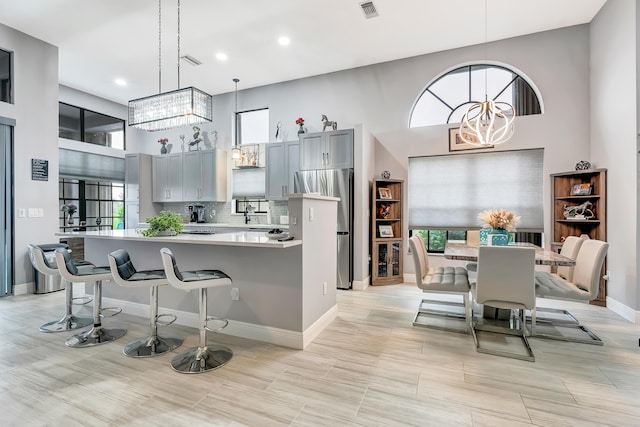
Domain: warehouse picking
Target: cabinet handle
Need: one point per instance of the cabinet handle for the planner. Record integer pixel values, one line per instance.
(323, 161)
(138, 193)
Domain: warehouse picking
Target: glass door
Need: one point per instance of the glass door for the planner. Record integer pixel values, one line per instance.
(6, 207)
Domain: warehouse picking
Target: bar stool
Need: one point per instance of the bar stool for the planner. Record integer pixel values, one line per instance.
(69, 321)
(97, 334)
(204, 357)
(126, 275)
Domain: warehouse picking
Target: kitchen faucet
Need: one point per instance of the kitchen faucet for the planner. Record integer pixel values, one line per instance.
(248, 210)
(247, 218)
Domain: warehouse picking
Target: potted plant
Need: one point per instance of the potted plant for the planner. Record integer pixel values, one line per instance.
(167, 223)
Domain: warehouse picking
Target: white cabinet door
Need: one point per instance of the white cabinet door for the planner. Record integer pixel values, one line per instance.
(160, 173)
(213, 176)
(275, 166)
(339, 147)
(132, 214)
(312, 151)
(292, 161)
(174, 177)
(192, 185)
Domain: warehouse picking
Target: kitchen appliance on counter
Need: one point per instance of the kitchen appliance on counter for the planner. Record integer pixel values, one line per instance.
(334, 183)
(197, 213)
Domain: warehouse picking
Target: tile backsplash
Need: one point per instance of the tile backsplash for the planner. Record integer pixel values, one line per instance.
(220, 212)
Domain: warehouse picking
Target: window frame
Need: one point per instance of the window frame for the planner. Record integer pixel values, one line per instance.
(6, 85)
(78, 190)
(83, 127)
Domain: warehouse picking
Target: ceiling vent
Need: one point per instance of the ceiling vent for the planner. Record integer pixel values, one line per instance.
(369, 9)
(190, 60)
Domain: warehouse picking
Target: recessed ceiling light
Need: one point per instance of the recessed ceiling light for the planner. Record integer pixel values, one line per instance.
(284, 41)
(121, 82)
(221, 56)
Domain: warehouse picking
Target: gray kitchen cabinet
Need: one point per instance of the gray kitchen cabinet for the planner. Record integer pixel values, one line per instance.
(282, 161)
(205, 176)
(167, 178)
(138, 189)
(326, 150)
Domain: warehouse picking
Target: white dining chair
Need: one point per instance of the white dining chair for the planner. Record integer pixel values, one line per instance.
(570, 248)
(506, 280)
(583, 287)
(473, 238)
(443, 280)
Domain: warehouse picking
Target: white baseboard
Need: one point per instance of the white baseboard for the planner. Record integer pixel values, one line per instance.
(360, 285)
(23, 288)
(624, 311)
(268, 334)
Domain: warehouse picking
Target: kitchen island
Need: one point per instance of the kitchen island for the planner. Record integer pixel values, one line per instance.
(287, 290)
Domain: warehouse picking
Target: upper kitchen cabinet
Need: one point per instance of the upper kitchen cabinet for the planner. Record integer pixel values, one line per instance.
(205, 176)
(282, 161)
(167, 178)
(326, 150)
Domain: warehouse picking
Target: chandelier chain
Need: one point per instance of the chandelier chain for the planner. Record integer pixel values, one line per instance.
(159, 46)
(178, 44)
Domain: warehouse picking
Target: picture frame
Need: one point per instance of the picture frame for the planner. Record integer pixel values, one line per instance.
(385, 231)
(457, 144)
(581, 190)
(384, 193)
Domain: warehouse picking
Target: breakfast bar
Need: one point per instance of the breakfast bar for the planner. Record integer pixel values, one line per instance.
(286, 290)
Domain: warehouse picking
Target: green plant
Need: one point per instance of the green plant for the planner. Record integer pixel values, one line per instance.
(166, 220)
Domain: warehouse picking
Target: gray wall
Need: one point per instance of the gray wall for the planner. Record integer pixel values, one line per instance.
(35, 111)
(614, 126)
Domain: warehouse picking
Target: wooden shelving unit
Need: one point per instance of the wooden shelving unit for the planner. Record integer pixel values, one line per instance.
(386, 232)
(595, 228)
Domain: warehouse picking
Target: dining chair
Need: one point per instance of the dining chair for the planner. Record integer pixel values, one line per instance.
(443, 280)
(583, 287)
(506, 280)
(473, 238)
(570, 248)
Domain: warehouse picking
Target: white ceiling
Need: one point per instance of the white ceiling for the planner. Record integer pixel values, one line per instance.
(101, 40)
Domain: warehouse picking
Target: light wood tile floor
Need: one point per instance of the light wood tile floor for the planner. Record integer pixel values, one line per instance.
(370, 367)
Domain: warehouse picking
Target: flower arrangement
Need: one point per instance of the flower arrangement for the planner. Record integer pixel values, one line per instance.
(163, 140)
(499, 219)
(69, 208)
(300, 121)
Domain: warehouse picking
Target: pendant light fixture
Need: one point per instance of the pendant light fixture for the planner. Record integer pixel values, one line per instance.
(488, 122)
(235, 151)
(181, 107)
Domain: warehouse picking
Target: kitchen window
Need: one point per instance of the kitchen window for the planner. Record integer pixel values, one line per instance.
(100, 204)
(85, 125)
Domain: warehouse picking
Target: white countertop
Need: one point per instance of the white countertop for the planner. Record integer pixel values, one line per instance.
(242, 238)
(213, 225)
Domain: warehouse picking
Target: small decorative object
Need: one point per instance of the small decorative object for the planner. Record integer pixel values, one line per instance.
(300, 122)
(384, 210)
(581, 190)
(197, 139)
(580, 212)
(279, 131)
(182, 143)
(167, 223)
(386, 174)
(163, 143)
(276, 233)
(69, 209)
(328, 123)
(384, 193)
(583, 165)
(385, 231)
(497, 225)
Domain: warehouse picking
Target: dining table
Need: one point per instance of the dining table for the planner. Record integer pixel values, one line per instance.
(468, 251)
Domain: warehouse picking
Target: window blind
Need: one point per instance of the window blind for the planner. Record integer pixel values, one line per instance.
(448, 192)
(90, 166)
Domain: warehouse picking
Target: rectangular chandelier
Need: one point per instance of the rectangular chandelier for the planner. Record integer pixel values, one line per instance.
(168, 110)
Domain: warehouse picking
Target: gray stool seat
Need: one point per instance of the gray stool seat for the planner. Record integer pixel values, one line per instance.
(97, 334)
(125, 274)
(46, 265)
(203, 357)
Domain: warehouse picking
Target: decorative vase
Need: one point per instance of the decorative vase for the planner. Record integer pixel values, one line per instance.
(163, 149)
(301, 130)
(497, 237)
(70, 220)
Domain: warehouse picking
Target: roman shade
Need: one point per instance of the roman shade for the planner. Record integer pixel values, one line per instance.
(90, 166)
(249, 183)
(447, 192)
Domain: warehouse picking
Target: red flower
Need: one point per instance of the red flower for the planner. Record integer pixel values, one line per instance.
(300, 121)
(163, 140)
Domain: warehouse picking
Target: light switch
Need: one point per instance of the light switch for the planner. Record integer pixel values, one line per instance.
(32, 212)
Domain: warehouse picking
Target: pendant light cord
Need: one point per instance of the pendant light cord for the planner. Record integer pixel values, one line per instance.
(179, 44)
(159, 46)
(486, 96)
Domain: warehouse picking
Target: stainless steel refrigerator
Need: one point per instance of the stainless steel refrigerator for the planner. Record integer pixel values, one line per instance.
(335, 183)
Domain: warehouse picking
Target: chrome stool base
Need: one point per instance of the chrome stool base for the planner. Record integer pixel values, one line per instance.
(198, 359)
(95, 336)
(151, 346)
(67, 323)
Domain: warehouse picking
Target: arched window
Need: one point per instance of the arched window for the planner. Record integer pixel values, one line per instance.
(447, 98)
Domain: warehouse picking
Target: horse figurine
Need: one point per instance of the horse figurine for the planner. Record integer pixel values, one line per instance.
(327, 123)
(582, 211)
